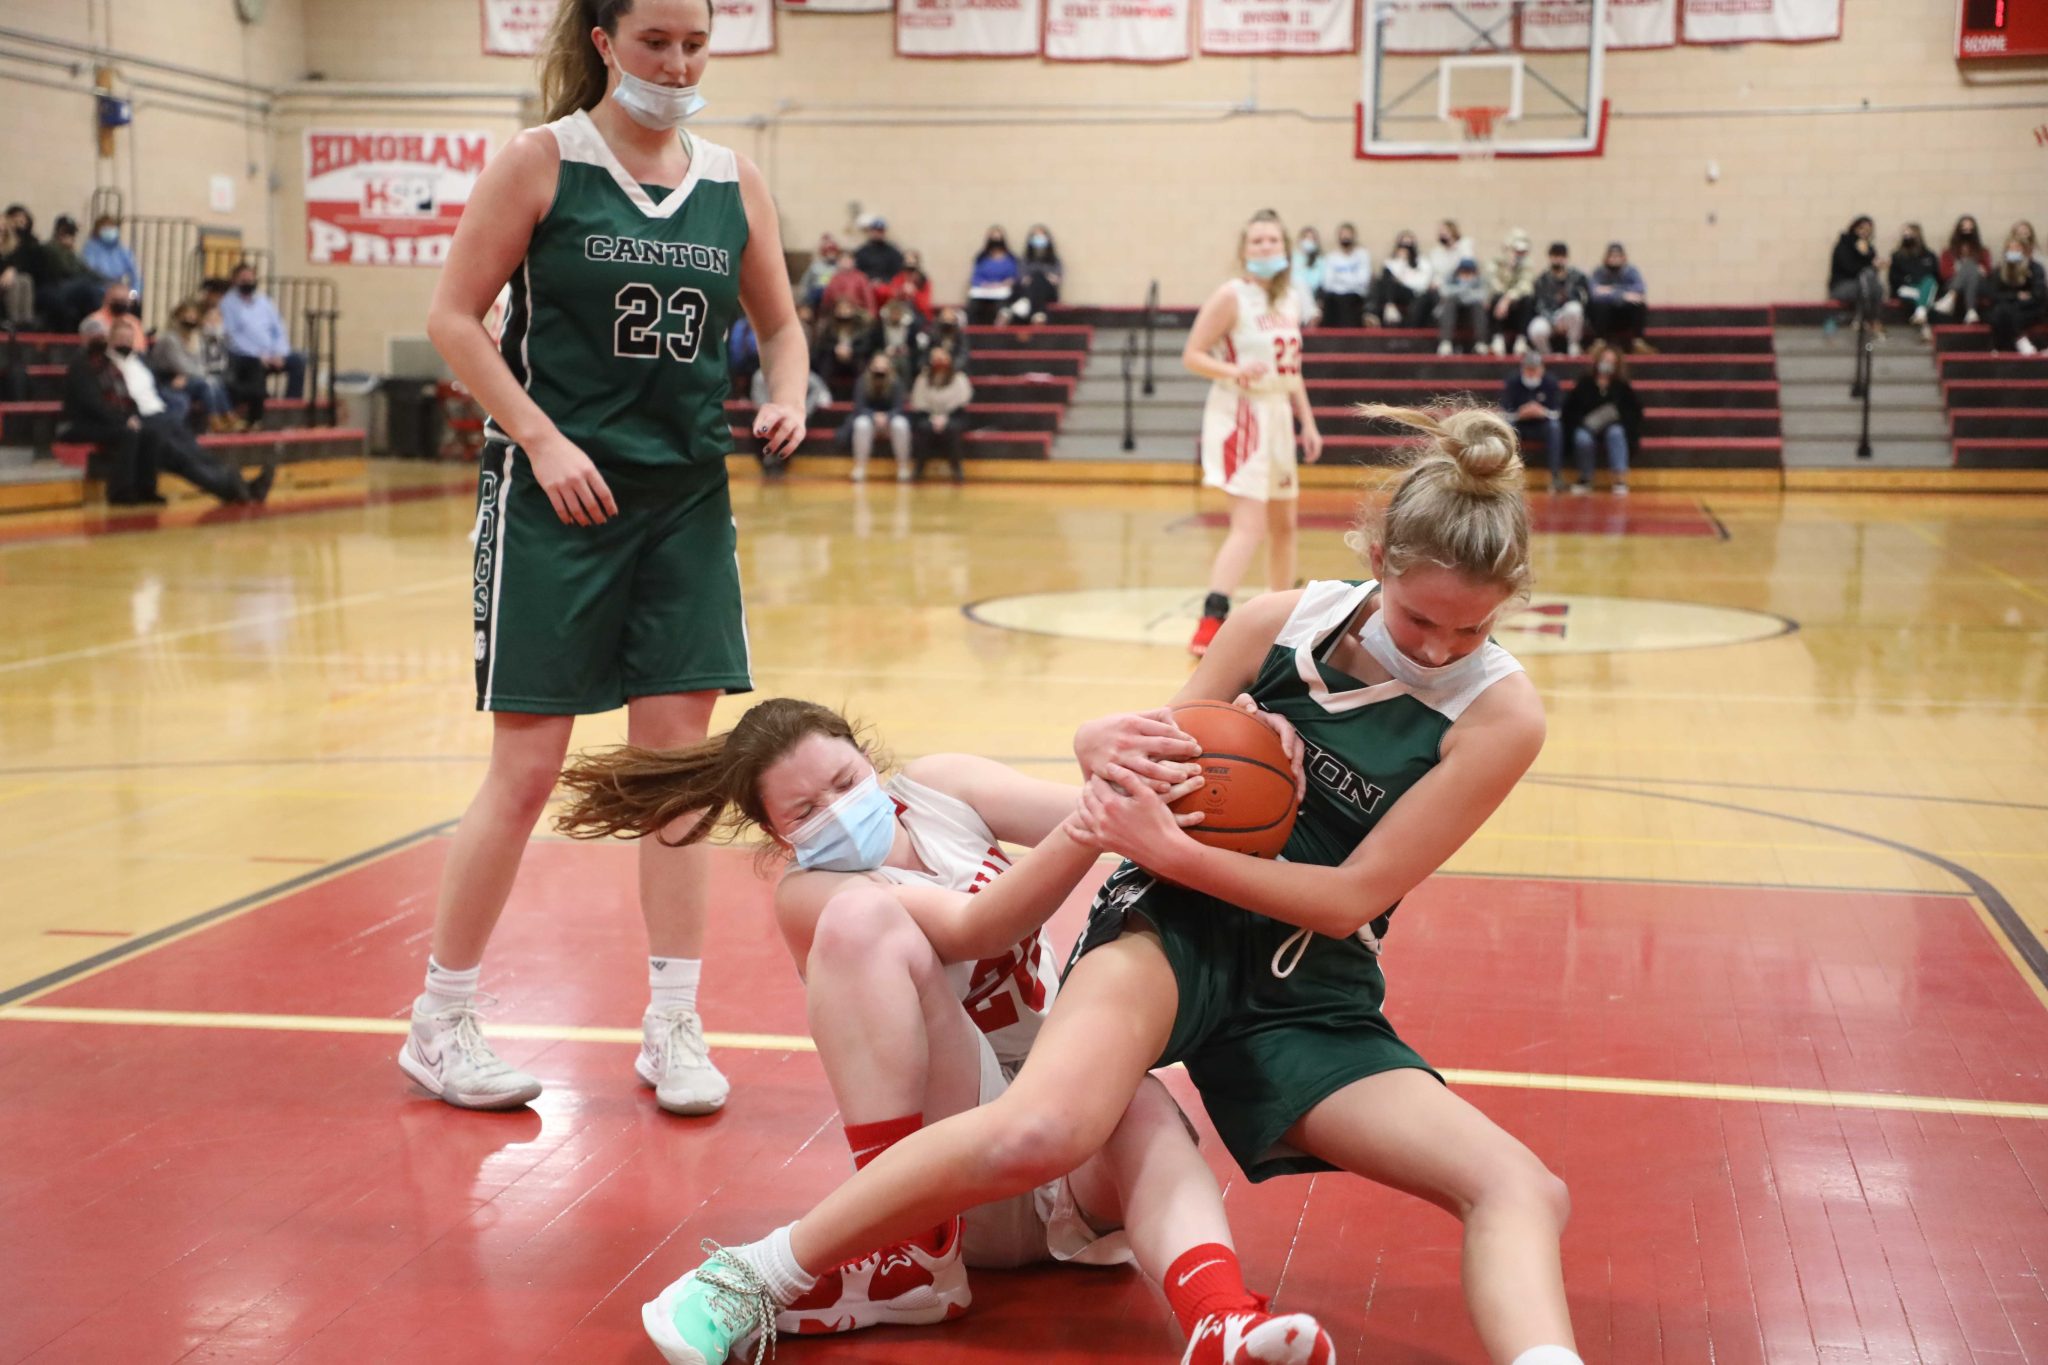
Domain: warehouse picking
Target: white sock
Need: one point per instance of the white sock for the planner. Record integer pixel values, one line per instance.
(672, 982)
(446, 987)
(1549, 1355)
(772, 1259)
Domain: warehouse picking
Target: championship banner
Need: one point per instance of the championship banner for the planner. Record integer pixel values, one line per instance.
(387, 198)
(836, 6)
(1632, 25)
(968, 28)
(516, 28)
(742, 28)
(1278, 28)
(1762, 21)
(1116, 31)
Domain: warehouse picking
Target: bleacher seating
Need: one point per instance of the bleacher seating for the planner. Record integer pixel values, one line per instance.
(1997, 403)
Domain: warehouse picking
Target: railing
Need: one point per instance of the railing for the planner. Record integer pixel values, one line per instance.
(1130, 401)
(1151, 324)
(166, 252)
(1866, 361)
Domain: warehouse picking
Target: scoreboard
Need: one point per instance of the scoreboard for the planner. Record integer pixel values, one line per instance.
(2002, 28)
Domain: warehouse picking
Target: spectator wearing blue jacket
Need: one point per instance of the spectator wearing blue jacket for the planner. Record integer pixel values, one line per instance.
(1620, 310)
(994, 281)
(106, 256)
(257, 344)
(1531, 400)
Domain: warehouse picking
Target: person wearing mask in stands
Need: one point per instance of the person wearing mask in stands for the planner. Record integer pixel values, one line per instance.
(176, 449)
(1405, 294)
(99, 412)
(877, 406)
(1347, 281)
(950, 331)
(257, 344)
(1462, 308)
(938, 416)
(1560, 300)
(913, 284)
(178, 360)
(106, 256)
(1306, 266)
(841, 351)
(1530, 398)
(1915, 275)
(20, 259)
(1511, 298)
(66, 292)
(899, 335)
(824, 265)
(2030, 242)
(993, 282)
(1965, 266)
(878, 257)
(1853, 276)
(1602, 413)
(2018, 298)
(1620, 310)
(1038, 277)
(1452, 246)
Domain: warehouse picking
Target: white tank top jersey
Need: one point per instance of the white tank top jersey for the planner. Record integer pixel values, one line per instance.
(1266, 331)
(1007, 996)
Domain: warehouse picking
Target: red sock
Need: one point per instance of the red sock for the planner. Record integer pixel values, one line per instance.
(1204, 1281)
(870, 1140)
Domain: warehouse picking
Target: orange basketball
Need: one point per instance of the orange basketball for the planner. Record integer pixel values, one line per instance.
(1247, 797)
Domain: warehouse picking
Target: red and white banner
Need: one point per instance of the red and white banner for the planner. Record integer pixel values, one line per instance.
(743, 28)
(1632, 25)
(516, 28)
(1116, 30)
(387, 197)
(1278, 28)
(836, 6)
(1762, 21)
(968, 28)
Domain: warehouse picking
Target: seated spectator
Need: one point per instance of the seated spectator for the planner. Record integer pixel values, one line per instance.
(2018, 298)
(1347, 281)
(993, 282)
(816, 399)
(18, 262)
(841, 351)
(1452, 246)
(849, 284)
(1529, 396)
(825, 263)
(950, 331)
(1852, 275)
(2023, 232)
(1305, 269)
(1462, 308)
(938, 420)
(1965, 267)
(878, 258)
(1602, 414)
(1560, 298)
(742, 353)
(105, 255)
(877, 402)
(1512, 292)
(179, 362)
(1038, 277)
(117, 300)
(911, 283)
(98, 412)
(1405, 294)
(898, 335)
(1915, 274)
(257, 345)
(1620, 310)
(175, 448)
(66, 291)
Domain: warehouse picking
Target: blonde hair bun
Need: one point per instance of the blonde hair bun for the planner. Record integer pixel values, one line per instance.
(1459, 504)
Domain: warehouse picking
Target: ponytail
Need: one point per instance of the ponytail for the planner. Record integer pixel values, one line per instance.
(572, 75)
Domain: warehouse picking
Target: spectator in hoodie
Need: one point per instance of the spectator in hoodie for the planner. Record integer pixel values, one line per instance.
(878, 257)
(1462, 308)
(1038, 277)
(1852, 274)
(1452, 246)
(1620, 310)
(949, 330)
(106, 256)
(840, 353)
(899, 335)
(1915, 274)
(1405, 295)
(849, 284)
(2018, 298)
(824, 265)
(993, 282)
(1513, 287)
(1530, 398)
(938, 417)
(878, 408)
(66, 291)
(1602, 413)
(1965, 266)
(20, 257)
(1347, 281)
(1560, 298)
(910, 283)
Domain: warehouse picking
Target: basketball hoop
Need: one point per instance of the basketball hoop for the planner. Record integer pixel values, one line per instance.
(1479, 121)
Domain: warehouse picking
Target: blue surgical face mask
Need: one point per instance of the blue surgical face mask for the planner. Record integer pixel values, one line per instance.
(110, 234)
(660, 107)
(1265, 267)
(1040, 241)
(2015, 256)
(853, 834)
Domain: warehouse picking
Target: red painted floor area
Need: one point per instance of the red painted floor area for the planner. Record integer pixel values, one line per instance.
(237, 1195)
(1644, 514)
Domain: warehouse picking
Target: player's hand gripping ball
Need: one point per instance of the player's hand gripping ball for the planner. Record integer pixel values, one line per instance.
(1248, 797)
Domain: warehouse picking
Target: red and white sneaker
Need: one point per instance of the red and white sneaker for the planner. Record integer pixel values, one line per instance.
(1205, 632)
(906, 1285)
(1256, 1337)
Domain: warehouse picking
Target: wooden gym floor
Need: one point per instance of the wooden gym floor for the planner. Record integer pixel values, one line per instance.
(1753, 959)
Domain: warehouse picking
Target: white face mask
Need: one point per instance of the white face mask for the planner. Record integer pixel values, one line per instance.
(1373, 635)
(660, 107)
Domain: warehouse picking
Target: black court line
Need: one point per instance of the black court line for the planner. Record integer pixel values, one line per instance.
(150, 940)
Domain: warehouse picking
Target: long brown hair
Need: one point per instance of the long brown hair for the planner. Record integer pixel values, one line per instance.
(635, 792)
(572, 75)
(1601, 351)
(1460, 504)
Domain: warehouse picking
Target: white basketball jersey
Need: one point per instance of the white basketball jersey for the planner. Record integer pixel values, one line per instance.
(1266, 331)
(1008, 996)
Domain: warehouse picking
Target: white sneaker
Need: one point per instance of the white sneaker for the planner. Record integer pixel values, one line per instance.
(1573, 348)
(1446, 348)
(1257, 1337)
(860, 473)
(1946, 304)
(1919, 317)
(675, 1061)
(1500, 346)
(1579, 490)
(1393, 316)
(1971, 317)
(905, 1285)
(446, 1053)
(1619, 490)
(2026, 346)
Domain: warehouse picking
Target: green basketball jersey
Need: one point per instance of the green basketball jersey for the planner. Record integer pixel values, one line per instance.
(619, 313)
(1364, 746)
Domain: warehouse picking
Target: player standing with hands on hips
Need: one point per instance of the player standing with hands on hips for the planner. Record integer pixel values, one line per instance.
(605, 568)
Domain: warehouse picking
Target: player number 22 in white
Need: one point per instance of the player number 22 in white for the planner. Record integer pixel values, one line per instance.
(639, 333)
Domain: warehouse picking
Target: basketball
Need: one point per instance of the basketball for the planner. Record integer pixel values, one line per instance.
(1247, 795)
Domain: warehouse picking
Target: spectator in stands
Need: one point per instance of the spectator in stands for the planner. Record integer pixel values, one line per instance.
(1462, 308)
(899, 335)
(17, 272)
(117, 300)
(178, 360)
(1620, 310)
(742, 354)
(938, 417)
(1965, 267)
(850, 284)
(2029, 242)
(993, 282)
(1038, 277)
(1452, 246)
(1602, 413)
(1560, 298)
(1405, 294)
(817, 398)
(1852, 275)
(1530, 398)
(176, 449)
(257, 344)
(825, 263)
(66, 291)
(98, 412)
(877, 402)
(913, 284)
(950, 331)
(1512, 292)
(107, 257)
(1347, 281)
(2018, 298)
(1307, 268)
(878, 257)
(1915, 274)
(841, 351)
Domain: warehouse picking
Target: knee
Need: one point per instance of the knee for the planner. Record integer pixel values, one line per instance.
(525, 782)
(863, 927)
(863, 422)
(899, 426)
(1036, 1146)
(1526, 1188)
